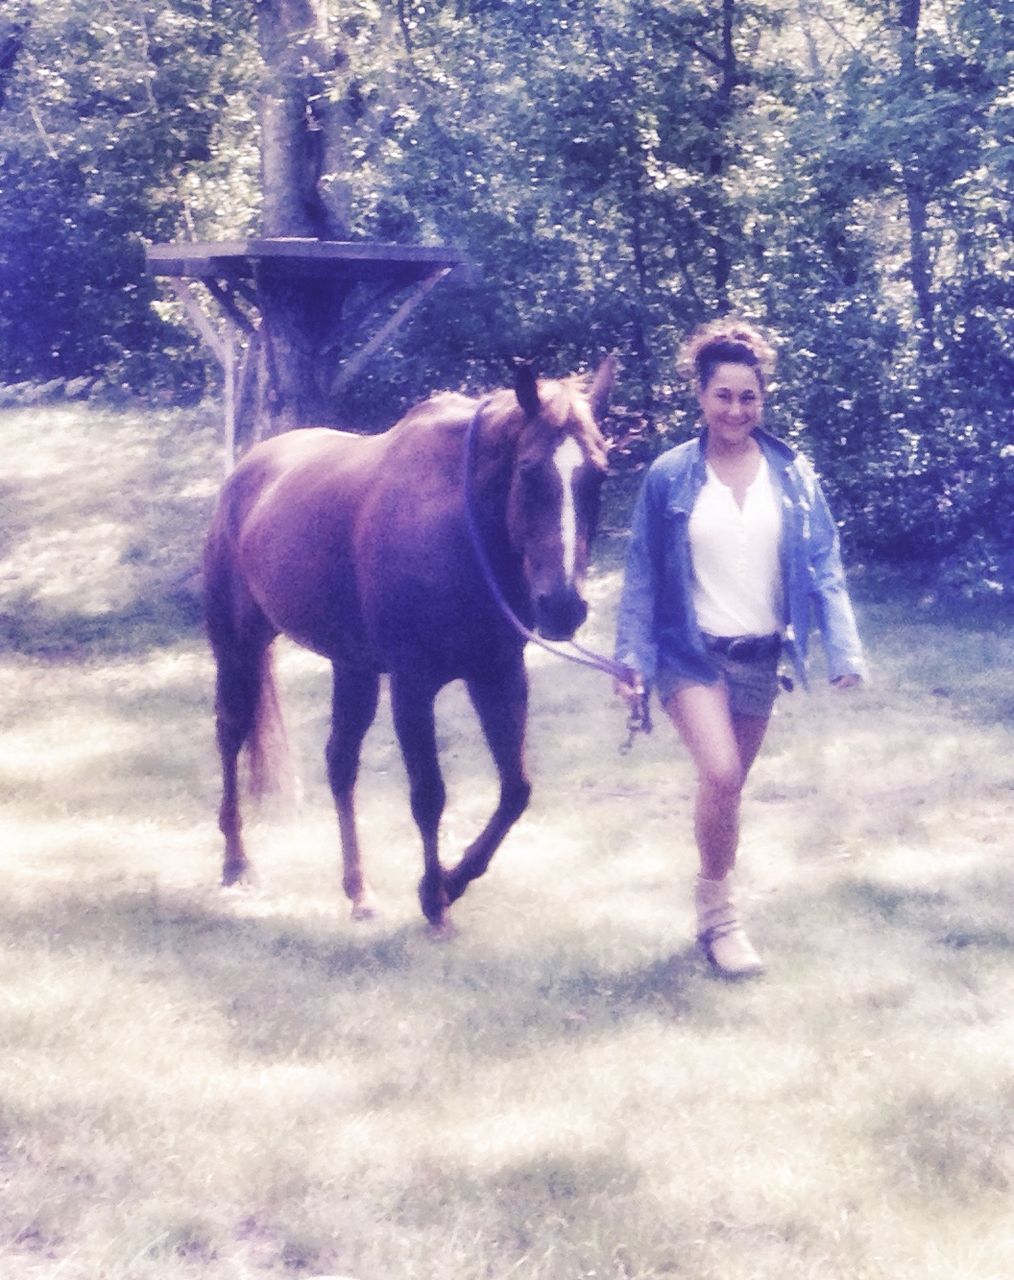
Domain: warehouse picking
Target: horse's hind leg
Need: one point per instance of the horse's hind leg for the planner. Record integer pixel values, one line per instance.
(237, 695)
(245, 699)
(354, 705)
(501, 702)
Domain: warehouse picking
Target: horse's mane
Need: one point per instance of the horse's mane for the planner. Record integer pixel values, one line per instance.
(565, 411)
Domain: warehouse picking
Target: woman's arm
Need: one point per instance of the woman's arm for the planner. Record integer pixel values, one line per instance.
(636, 643)
(836, 619)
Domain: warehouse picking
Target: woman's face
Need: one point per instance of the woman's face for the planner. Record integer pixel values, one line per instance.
(731, 404)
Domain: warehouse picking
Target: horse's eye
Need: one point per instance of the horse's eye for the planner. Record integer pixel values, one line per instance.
(533, 475)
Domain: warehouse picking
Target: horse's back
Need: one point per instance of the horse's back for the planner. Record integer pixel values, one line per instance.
(325, 525)
(311, 458)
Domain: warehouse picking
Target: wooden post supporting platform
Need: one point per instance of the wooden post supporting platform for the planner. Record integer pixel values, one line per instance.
(353, 366)
(229, 395)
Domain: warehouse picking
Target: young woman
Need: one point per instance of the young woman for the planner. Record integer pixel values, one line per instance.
(733, 558)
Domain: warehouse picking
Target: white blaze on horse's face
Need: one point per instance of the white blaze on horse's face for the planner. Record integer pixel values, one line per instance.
(553, 524)
(551, 513)
(568, 459)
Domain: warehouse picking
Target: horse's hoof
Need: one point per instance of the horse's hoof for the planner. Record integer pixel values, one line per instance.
(241, 877)
(441, 930)
(365, 909)
(433, 900)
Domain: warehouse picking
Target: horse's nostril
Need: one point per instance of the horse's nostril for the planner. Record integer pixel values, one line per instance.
(559, 614)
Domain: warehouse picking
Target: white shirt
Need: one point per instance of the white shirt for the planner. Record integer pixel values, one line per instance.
(734, 550)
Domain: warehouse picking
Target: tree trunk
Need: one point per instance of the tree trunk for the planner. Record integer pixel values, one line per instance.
(639, 341)
(920, 268)
(302, 132)
(729, 73)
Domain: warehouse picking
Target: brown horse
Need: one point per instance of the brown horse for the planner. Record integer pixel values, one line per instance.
(377, 552)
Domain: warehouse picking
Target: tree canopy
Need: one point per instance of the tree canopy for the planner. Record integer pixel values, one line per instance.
(616, 170)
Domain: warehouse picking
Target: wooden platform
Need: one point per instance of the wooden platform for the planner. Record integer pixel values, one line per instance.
(259, 285)
(347, 260)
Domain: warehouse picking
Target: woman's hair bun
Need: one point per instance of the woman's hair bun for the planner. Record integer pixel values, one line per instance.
(726, 341)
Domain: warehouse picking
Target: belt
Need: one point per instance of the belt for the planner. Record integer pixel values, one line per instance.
(745, 648)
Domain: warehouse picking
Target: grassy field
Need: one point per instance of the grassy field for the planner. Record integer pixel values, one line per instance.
(217, 1085)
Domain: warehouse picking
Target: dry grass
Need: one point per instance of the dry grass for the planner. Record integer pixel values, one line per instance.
(222, 1086)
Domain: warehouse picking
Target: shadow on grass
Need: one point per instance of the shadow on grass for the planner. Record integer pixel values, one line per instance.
(662, 985)
(945, 655)
(289, 992)
(566, 1198)
(914, 593)
(31, 630)
(939, 915)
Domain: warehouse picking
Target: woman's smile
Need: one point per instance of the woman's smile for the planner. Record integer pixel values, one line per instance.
(731, 404)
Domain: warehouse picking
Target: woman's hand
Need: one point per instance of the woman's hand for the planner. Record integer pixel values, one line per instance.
(630, 689)
(635, 697)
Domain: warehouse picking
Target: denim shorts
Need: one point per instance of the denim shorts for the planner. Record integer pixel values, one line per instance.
(752, 684)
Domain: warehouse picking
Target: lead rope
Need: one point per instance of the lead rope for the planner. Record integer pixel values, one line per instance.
(639, 720)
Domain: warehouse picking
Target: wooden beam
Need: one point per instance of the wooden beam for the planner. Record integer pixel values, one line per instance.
(229, 397)
(200, 318)
(225, 298)
(353, 321)
(352, 367)
(223, 344)
(358, 261)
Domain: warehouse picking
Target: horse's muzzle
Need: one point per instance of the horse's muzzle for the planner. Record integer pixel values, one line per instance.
(559, 614)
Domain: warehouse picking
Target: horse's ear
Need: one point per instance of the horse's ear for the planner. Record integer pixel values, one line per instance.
(525, 387)
(602, 385)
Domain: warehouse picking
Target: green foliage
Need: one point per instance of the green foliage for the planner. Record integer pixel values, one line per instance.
(616, 171)
(105, 116)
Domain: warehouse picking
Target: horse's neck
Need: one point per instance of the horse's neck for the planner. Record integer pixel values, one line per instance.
(495, 452)
(496, 449)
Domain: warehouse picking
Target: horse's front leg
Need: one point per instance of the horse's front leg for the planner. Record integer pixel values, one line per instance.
(353, 707)
(414, 721)
(501, 702)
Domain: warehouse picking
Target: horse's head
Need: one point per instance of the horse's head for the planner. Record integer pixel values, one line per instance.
(552, 506)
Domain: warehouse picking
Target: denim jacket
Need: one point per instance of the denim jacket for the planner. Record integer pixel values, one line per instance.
(657, 631)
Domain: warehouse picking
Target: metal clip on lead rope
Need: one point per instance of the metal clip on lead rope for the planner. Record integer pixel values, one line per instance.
(639, 721)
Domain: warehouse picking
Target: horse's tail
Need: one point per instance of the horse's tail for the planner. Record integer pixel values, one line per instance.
(269, 750)
(247, 702)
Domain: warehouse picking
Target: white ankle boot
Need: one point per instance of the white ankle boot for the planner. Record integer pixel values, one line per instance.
(719, 932)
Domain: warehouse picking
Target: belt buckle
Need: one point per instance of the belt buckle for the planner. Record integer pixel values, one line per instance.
(742, 649)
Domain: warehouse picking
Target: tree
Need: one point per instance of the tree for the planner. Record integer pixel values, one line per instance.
(616, 169)
(100, 120)
(897, 258)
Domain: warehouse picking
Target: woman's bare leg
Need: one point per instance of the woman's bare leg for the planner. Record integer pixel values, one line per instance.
(723, 748)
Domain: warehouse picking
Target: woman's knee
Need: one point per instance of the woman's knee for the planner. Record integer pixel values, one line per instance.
(702, 717)
(722, 776)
